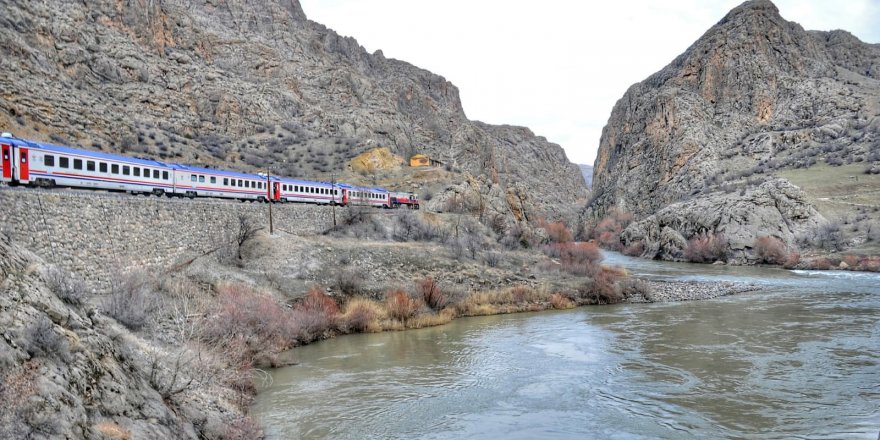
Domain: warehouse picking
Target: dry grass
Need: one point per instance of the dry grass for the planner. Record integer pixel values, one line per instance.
(113, 431)
(363, 315)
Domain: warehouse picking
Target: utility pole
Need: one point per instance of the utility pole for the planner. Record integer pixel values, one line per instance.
(269, 198)
(334, 189)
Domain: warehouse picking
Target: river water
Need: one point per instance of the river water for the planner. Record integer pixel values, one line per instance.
(801, 359)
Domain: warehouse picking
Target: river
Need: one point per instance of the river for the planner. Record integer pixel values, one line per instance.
(800, 359)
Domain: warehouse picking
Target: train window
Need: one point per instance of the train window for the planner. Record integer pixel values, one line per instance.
(201, 179)
(77, 164)
(240, 184)
(114, 169)
(164, 175)
(156, 174)
(63, 162)
(193, 178)
(225, 181)
(49, 160)
(102, 167)
(247, 183)
(213, 179)
(136, 171)
(90, 165)
(126, 170)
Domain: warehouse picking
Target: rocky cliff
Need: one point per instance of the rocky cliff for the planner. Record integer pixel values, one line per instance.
(244, 85)
(755, 95)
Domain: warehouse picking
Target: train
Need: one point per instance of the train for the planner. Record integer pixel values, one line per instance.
(36, 164)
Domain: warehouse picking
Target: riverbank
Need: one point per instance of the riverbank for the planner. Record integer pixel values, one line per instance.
(672, 291)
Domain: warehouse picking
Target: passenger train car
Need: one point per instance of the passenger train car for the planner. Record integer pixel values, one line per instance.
(37, 164)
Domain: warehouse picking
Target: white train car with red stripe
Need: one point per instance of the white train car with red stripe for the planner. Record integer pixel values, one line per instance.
(190, 181)
(356, 195)
(37, 164)
(304, 191)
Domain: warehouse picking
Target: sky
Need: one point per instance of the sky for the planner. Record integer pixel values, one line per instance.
(555, 66)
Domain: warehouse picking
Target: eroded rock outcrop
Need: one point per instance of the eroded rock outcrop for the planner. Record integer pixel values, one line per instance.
(754, 94)
(775, 208)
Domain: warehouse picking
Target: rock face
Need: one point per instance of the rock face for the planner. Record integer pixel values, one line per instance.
(754, 94)
(244, 85)
(775, 208)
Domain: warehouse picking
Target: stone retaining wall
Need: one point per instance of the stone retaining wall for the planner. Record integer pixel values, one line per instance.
(94, 233)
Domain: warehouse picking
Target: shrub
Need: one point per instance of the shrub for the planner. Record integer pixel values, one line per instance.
(492, 258)
(829, 236)
(603, 287)
(852, 261)
(576, 258)
(770, 250)
(349, 281)
(634, 250)
(65, 286)
(560, 302)
(132, 301)
(706, 248)
(557, 232)
(870, 264)
(820, 263)
(631, 287)
(245, 323)
(315, 315)
(792, 260)
(431, 294)
(42, 340)
(607, 231)
(400, 305)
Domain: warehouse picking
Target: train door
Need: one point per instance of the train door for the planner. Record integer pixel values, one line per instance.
(24, 170)
(276, 191)
(7, 162)
(344, 197)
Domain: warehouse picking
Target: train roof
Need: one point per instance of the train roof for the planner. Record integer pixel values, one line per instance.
(304, 182)
(361, 188)
(95, 154)
(217, 171)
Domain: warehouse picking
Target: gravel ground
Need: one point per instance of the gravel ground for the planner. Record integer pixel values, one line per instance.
(666, 291)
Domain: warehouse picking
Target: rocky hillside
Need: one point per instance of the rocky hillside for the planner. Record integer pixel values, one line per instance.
(244, 85)
(754, 96)
(69, 371)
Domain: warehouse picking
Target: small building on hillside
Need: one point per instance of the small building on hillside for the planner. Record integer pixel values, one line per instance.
(421, 160)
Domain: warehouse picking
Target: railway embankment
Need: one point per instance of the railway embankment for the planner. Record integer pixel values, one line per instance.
(96, 233)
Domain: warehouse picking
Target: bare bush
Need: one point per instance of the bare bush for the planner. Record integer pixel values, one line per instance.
(557, 232)
(41, 339)
(400, 305)
(246, 325)
(603, 287)
(65, 286)
(829, 236)
(576, 258)
(635, 249)
(409, 226)
(132, 300)
(431, 294)
(706, 248)
(770, 250)
(315, 315)
(349, 281)
(492, 258)
(607, 231)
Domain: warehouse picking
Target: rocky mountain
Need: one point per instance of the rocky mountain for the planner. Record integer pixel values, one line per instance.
(754, 97)
(245, 85)
(587, 172)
